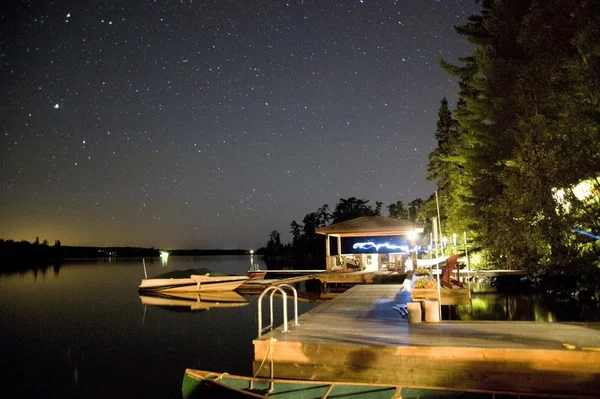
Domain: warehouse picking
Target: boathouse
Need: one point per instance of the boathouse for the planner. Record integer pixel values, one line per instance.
(372, 243)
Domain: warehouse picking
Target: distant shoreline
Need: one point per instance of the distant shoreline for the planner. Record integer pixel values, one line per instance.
(68, 252)
(22, 255)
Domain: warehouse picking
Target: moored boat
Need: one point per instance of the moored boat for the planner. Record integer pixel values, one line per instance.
(256, 274)
(192, 280)
(208, 385)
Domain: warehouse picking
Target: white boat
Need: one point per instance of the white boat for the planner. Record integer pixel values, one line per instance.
(194, 280)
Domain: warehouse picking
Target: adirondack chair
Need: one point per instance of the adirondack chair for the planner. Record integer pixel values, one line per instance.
(446, 279)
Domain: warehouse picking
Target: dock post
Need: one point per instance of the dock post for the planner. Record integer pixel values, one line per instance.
(432, 311)
(414, 312)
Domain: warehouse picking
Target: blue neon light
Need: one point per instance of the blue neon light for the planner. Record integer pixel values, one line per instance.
(585, 233)
(370, 245)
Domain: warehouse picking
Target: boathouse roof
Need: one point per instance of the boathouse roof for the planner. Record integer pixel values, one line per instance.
(371, 226)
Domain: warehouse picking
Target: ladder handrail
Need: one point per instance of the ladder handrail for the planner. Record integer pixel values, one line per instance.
(279, 289)
(284, 295)
(284, 285)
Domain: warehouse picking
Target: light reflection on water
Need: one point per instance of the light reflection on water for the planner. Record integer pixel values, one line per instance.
(487, 304)
(505, 307)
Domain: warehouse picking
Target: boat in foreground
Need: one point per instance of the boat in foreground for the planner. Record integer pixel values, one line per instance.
(194, 300)
(207, 384)
(192, 280)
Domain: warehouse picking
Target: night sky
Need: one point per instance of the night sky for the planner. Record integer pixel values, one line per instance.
(208, 124)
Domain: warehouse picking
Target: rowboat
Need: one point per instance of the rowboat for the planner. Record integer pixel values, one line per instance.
(194, 300)
(192, 280)
(207, 384)
(255, 273)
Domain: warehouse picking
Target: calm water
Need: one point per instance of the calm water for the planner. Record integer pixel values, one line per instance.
(82, 332)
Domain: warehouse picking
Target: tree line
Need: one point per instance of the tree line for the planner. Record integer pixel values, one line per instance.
(19, 255)
(517, 162)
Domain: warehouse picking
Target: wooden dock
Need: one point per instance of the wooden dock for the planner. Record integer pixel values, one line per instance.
(357, 336)
(362, 277)
(257, 286)
(456, 296)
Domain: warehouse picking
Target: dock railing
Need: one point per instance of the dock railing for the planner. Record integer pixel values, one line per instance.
(273, 290)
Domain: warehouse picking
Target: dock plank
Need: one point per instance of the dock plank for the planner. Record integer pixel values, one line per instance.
(358, 336)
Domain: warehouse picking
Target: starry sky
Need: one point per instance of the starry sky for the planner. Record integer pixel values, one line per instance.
(210, 123)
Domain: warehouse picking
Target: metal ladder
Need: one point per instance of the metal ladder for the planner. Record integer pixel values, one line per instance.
(279, 289)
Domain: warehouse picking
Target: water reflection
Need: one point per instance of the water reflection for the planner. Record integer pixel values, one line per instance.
(505, 307)
(488, 304)
(164, 260)
(190, 301)
(83, 332)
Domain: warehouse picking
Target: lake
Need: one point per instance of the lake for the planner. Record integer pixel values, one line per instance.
(82, 331)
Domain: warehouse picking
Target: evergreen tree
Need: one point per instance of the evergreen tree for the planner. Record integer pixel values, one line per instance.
(414, 208)
(445, 167)
(528, 115)
(274, 244)
(443, 157)
(306, 242)
(353, 207)
(397, 210)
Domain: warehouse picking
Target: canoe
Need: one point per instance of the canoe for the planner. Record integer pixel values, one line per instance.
(207, 384)
(193, 280)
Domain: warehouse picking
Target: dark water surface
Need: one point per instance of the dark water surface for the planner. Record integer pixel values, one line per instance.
(81, 331)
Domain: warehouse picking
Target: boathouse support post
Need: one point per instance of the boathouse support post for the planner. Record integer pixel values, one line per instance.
(327, 253)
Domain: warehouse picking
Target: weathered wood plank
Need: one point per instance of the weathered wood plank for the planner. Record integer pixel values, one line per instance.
(358, 336)
(455, 296)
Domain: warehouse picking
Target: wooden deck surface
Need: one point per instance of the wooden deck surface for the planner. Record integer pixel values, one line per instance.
(358, 336)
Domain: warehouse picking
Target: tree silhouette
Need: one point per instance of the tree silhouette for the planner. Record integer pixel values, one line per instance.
(353, 207)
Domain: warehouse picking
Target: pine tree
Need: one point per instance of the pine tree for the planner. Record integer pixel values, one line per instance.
(528, 116)
(446, 169)
(397, 210)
